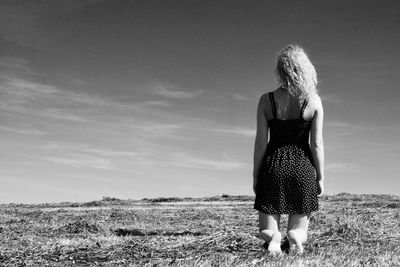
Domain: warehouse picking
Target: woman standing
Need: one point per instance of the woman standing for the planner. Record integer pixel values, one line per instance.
(289, 166)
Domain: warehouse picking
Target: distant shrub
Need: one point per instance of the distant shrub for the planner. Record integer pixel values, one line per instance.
(345, 194)
(214, 198)
(226, 197)
(166, 199)
(111, 199)
(95, 203)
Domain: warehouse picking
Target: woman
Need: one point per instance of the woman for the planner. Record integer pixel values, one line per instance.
(289, 167)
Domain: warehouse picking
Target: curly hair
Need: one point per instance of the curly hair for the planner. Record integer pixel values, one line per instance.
(295, 72)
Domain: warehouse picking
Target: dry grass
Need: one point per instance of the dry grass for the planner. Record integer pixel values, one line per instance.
(349, 230)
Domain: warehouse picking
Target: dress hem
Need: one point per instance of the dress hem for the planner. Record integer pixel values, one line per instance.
(288, 212)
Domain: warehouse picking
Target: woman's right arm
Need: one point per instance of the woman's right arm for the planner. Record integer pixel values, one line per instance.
(260, 145)
(317, 143)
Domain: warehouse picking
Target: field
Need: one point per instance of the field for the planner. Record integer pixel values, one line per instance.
(348, 230)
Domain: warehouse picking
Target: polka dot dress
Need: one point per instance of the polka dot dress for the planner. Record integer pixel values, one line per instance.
(287, 183)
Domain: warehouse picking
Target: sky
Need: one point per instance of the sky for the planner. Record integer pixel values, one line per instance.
(135, 99)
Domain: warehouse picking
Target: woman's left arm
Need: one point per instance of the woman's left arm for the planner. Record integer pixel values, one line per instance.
(260, 145)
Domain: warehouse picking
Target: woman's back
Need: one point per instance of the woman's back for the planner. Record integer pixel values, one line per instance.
(289, 107)
(293, 129)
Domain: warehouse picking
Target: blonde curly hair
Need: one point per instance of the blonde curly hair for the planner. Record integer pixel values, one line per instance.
(295, 72)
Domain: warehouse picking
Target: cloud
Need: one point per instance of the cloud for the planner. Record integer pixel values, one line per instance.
(342, 167)
(157, 129)
(84, 148)
(146, 133)
(245, 132)
(238, 96)
(165, 91)
(13, 86)
(155, 103)
(51, 106)
(15, 64)
(19, 163)
(22, 94)
(338, 124)
(89, 177)
(346, 124)
(83, 161)
(148, 128)
(187, 160)
(331, 99)
(28, 87)
(22, 131)
(61, 114)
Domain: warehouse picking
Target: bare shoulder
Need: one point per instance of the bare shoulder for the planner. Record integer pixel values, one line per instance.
(264, 99)
(264, 96)
(264, 105)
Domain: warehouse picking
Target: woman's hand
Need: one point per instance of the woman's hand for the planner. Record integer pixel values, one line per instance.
(320, 188)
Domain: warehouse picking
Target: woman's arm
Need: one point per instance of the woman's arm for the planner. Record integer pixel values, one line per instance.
(317, 143)
(261, 141)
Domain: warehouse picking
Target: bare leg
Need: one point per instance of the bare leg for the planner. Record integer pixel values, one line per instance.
(297, 230)
(269, 231)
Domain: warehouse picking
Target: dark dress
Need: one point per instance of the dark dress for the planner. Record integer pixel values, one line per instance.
(287, 182)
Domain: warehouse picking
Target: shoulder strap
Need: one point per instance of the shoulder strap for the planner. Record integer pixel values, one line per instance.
(303, 107)
(273, 105)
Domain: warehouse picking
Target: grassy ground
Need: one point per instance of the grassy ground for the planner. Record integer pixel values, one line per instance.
(348, 230)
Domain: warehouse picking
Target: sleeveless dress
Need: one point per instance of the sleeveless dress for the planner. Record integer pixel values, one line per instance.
(287, 181)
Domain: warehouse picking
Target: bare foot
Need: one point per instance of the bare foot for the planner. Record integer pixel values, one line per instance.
(294, 242)
(274, 246)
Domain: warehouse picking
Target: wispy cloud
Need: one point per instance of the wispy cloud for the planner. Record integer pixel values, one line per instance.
(338, 124)
(156, 129)
(342, 167)
(176, 93)
(51, 106)
(18, 86)
(85, 148)
(15, 64)
(150, 128)
(340, 128)
(22, 94)
(20, 163)
(61, 114)
(89, 177)
(22, 131)
(238, 96)
(83, 161)
(331, 99)
(245, 132)
(344, 128)
(187, 160)
(85, 156)
(155, 103)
